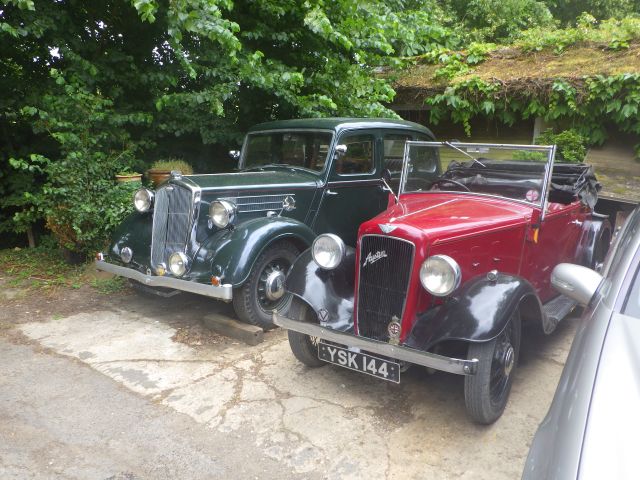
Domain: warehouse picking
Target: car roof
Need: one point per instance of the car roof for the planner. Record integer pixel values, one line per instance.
(340, 123)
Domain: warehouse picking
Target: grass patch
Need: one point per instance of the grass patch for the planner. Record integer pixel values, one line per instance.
(43, 269)
(107, 286)
(38, 268)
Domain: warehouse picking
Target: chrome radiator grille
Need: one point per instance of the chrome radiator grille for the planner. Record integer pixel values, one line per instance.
(172, 216)
(258, 203)
(385, 270)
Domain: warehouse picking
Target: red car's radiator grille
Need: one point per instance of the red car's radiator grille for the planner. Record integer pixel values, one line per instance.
(172, 214)
(385, 269)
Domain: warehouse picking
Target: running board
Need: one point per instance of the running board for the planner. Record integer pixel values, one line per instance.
(555, 310)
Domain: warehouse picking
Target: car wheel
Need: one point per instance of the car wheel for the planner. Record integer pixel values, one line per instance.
(486, 393)
(304, 347)
(263, 292)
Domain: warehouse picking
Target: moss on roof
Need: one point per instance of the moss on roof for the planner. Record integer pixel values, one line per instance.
(517, 70)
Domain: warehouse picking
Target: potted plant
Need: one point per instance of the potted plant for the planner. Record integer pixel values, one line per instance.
(161, 169)
(127, 176)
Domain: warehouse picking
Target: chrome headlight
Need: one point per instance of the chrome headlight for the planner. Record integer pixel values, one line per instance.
(328, 250)
(143, 200)
(222, 213)
(178, 263)
(440, 275)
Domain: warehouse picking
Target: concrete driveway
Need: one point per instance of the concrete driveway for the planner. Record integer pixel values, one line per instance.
(280, 418)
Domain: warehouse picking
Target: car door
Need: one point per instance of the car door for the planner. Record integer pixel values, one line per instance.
(353, 192)
(554, 243)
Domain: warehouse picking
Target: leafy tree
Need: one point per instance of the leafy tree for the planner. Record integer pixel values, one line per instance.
(92, 87)
(568, 11)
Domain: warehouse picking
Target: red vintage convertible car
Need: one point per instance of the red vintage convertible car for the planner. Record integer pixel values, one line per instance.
(447, 275)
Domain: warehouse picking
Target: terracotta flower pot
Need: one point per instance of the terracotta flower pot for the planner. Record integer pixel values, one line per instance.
(129, 178)
(157, 176)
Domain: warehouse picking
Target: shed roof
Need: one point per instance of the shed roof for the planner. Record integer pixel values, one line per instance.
(517, 70)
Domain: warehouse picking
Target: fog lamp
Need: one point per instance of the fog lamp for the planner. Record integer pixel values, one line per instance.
(161, 269)
(178, 264)
(126, 254)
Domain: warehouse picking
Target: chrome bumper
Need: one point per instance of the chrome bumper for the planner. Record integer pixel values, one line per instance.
(223, 292)
(407, 354)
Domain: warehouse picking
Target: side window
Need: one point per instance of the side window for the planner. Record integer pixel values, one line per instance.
(394, 151)
(359, 156)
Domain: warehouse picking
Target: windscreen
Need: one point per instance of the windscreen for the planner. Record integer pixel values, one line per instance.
(297, 149)
(512, 171)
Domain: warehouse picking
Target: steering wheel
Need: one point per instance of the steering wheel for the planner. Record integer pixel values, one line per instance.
(448, 180)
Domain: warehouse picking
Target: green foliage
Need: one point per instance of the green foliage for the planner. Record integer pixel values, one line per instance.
(567, 11)
(615, 34)
(96, 88)
(615, 98)
(173, 164)
(501, 20)
(571, 146)
(78, 198)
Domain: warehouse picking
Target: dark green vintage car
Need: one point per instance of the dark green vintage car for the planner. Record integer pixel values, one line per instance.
(233, 236)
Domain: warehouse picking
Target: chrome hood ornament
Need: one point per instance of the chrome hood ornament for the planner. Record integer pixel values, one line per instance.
(387, 227)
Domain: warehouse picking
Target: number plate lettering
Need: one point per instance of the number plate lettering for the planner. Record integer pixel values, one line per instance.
(360, 362)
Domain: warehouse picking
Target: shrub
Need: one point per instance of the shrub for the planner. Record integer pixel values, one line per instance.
(173, 164)
(571, 146)
(79, 198)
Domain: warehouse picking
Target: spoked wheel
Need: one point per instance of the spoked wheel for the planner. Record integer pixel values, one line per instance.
(486, 393)
(263, 292)
(304, 347)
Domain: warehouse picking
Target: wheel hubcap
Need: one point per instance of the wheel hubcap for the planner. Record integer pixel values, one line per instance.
(508, 359)
(274, 285)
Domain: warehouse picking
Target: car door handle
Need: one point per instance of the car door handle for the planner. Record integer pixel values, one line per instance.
(330, 192)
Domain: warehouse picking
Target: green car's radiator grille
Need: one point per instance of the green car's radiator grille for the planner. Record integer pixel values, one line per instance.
(384, 272)
(172, 216)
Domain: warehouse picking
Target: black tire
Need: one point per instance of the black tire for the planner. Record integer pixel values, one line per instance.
(304, 347)
(249, 301)
(486, 393)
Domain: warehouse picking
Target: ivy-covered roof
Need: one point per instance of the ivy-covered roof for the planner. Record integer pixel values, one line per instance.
(520, 72)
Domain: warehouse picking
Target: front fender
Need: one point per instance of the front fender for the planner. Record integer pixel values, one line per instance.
(135, 233)
(477, 313)
(328, 293)
(232, 253)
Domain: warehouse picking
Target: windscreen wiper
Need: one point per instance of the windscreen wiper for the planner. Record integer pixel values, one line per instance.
(450, 145)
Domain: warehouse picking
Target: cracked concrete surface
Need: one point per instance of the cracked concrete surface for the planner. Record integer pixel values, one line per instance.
(327, 421)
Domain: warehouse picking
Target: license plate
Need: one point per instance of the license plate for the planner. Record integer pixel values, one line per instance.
(360, 362)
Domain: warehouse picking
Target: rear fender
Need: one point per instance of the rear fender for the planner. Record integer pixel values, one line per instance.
(477, 313)
(595, 231)
(328, 292)
(232, 253)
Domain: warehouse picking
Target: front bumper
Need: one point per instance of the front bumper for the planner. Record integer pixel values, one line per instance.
(398, 352)
(223, 292)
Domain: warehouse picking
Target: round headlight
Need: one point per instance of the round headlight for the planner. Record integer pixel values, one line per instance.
(440, 275)
(142, 200)
(178, 263)
(328, 251)
(222, 213)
